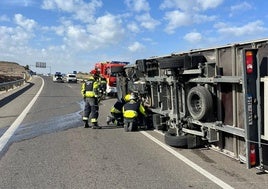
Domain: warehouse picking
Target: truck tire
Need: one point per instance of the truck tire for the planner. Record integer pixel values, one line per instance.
(175, 141)
(199, 102)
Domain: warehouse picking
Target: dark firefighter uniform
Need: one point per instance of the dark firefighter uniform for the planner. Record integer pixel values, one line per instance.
(116, 111)
(103, 85)
(133, 108)
(89, 91)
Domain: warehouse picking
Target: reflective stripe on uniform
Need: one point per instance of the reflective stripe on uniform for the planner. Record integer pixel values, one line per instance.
(85, 118)
(116, 111)
(93, 120)
(130, 114)
(89, 94)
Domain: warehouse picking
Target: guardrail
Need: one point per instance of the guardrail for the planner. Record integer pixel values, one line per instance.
(11, 84)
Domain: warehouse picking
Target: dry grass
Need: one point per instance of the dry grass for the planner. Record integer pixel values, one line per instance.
(11, 71)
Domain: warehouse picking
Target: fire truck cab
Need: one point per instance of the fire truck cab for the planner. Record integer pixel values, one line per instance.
(107, 70)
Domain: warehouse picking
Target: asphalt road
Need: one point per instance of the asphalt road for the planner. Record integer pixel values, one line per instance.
(51, 149)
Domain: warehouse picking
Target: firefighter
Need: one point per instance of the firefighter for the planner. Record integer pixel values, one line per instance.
(89, 92)
(103, 86)
(116, 111)
(134, 109)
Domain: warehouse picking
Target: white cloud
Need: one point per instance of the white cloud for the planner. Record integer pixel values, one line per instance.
(14, 37)
(65, 5)
(241, 7)
(200, 18)
(136, 46)
(76, 37)
(193, 37)
(176, 4)
(147, 21)
(190, 5)
(107, 29)
(17, 37)
(209, 4)
(138, 5)
(176, 19)
(80, 10)
(186, 13)
(23, 22)
(133, 27)
(251, 28)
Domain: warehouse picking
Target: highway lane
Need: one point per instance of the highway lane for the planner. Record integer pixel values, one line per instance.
(51, 149)
(11, 106)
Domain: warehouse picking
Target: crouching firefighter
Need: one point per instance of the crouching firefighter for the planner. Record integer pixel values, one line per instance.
(116, 112)
(134, 111)
(89, 91)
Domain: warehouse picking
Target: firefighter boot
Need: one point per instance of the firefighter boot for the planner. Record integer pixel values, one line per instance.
(95, 126)
(86, 124)
(109, 120)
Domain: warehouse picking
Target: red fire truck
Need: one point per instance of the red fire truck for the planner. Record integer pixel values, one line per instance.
(107, 70)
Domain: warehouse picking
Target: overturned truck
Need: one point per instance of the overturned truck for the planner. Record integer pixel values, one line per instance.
(215, 96)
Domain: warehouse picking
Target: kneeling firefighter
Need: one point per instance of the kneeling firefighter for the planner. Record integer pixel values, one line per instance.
(89, 91)
(116, 111)
(134, 110)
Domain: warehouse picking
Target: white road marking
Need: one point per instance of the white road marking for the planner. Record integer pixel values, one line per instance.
(211, 177)
(11, 130)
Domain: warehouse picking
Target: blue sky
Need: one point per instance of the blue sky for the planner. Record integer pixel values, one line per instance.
(72, 35)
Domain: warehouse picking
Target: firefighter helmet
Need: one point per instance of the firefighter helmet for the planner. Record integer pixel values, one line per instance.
(127, 98)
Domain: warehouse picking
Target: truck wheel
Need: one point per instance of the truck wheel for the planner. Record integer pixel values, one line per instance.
(199, 102)
(175, 141)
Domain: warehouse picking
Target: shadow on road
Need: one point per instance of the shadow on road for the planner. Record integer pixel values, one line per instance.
(11, 97)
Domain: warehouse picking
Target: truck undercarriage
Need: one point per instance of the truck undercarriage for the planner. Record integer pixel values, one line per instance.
(208, 96)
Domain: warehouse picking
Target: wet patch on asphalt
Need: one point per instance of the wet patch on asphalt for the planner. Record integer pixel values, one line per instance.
(55, 124)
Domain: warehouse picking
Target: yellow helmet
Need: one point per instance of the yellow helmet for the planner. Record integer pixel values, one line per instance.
(127, 97)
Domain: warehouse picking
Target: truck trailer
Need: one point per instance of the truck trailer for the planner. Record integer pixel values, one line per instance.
(212, 96)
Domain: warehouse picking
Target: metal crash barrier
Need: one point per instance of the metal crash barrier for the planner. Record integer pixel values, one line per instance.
(11, 85)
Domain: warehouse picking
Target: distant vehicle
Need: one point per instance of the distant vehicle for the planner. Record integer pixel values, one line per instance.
(71, 78)
(57, 77)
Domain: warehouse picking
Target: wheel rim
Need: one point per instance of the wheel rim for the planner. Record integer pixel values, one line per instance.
(196, 103)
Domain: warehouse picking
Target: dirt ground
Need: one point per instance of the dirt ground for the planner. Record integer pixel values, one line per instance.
(11, 71)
